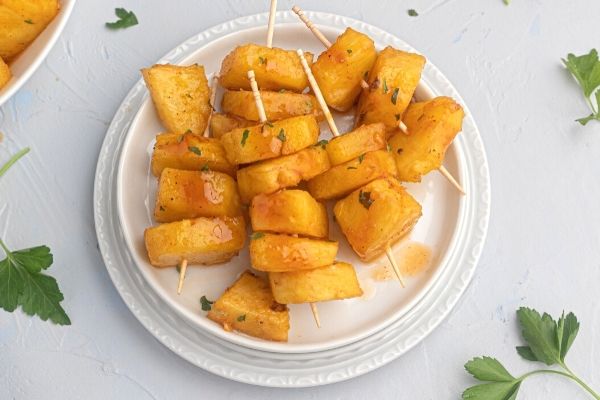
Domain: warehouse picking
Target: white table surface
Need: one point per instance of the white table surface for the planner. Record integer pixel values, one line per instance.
(543, 246)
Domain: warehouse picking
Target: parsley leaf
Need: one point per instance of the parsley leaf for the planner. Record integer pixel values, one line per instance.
(349, 51)
(365, 199)
(22, 283)
(493, 391)
(29, 21)
(195, 150)
(361, 158)
(241, 318)
(539, 331)
(413, 13)
(256, 235)
(206, 304)
(385, 86)
(244, 137)
(395, 96)
(488, 369)
(322, 143)
(205, 168)
(586, 70)
(281, 135)
(126, 19)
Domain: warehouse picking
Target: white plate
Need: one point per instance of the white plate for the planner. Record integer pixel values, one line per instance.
(382, 327)
(30, 59)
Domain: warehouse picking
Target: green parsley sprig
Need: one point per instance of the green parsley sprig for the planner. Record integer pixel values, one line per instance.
(126, 19)
(548, 342)
(586, 70)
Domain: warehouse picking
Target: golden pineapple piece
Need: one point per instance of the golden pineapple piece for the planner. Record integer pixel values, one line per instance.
(270, 140)
(223, 123)
(289, 211)
(344, 178)
(275, 68)
(279, 253)
(432, 126)
(21, 21)
(190, 194)
(362, 140)
(340, 69)
(278, 105)
(271, 175)
(199, 241)
(334, 282)
(248, 306)
(376, 215)
(181, 96)
(5, 73)
(190, 152)
(393, 80)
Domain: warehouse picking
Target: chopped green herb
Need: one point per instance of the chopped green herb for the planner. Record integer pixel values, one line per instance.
(322, 143)
(365, 199)
(180, 138)
(162, 208)
(205, 168)
(206, 304)
(245, 137)
(256, 235)
(270, 125)
(241, 318)
(281, 135)
(126, 19)
(397, 117)
(351, 167)
(395, 96)
(187, 132)
(389, 148)
(28, 21)
(361, 158)
(195, 150)
(413, 13)
(23, 284)
(385, 86)
(586, 70)
(366, 75)
(349, 51)
(262, 60)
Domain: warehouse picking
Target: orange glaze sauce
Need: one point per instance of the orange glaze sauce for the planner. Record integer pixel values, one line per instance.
(412, 258)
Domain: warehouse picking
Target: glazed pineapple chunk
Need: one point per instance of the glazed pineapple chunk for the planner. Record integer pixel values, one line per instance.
(432, 126)
(340, 69)
(279, 253)
(278, 105)
(344, 178)
(392, 82)
(5, 73)
(334, 282)
(21, 21)
(289, 211)
(275, 68)
(362, 140)
(199, 241)
(271, 175)
(190, 152)
(190, 194)
(248, 306)
(376, 215)
(223, 123)
(270, 140)
(180, 95)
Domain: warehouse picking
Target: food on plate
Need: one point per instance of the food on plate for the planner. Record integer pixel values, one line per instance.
(432, 126)
(392, 83)
(223, 123)
(291, 212)
(202, 240)
(275, 68)
(344, 178)
(351, 145)
(5, 73)
(278, 105)
(189, 151)
(333, 282)
(21, 21)
(181, 96)
(278, 252)
(340, 69)
(376, 216)
(248, 306)
(270, 140)
(190, 194)
(272, 175)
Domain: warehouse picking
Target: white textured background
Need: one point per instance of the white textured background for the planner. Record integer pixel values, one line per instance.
(543, 247)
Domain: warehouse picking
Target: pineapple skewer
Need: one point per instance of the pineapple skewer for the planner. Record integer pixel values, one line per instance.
(315, 87)
(263, 119)
(365, 85)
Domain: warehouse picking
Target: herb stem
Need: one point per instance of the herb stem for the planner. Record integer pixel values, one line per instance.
(5, 248)
(567, 374)
(13, 160)
(581, 383)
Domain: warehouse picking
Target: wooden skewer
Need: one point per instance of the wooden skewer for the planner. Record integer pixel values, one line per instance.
(263, 118)
(271, 27)
(182, 269)
(317, 91)
(442, 169)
